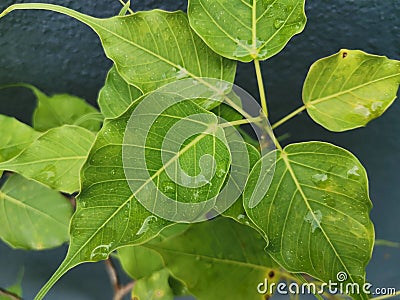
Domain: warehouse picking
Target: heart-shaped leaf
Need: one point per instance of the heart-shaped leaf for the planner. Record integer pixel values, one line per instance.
(32, 216)
(316, 212)
(55, 158)
(211, 250)
(116, 95)
(247, 29)
(140, 46)
(350, 88)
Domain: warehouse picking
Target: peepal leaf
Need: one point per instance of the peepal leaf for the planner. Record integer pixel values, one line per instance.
(61, 109)
(316, 212)
(55, 158)
(245, 30)
(32, 216)
(15, 137)
(150, 48)
(116, 95)
(209, 251)
(350, 88)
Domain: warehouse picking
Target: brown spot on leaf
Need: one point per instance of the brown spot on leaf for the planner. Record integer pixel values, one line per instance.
(271, 274)
(344, 54)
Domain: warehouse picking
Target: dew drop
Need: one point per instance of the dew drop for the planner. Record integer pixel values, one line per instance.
(329, 200)
(100, 252)
(362, 110)
(241, 217)
(314, 219)
(220, 173)
(168, 187)
(320, 179)
(146, 224)
(376, 106)
(353, 172)
(278, 23)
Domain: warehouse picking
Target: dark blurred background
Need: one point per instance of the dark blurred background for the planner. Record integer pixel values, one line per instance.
(60, 55)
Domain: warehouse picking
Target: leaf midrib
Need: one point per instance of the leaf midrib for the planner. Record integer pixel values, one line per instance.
(299, 188)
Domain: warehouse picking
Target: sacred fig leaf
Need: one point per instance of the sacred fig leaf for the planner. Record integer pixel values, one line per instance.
(140, 46)
(245, 30)
(316, 212)
(116, 95)
(154, 287)
(15, 137)
(350, 88)
(218, 259)
(32, 216)
(60, 109)
(55, 158)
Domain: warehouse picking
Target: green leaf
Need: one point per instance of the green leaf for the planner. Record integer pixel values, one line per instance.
(350, 88)
(32, 216)
(316, 212)
(246, 30)
(154, 287)
(15, 137)
(116, 95)
(62, 109)
(150, 48)
(139, 262)
(209, 251)
(55, 158)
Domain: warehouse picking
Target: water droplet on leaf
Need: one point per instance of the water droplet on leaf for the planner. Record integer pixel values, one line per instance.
(320, 179)
(146, 224)
(314, 218)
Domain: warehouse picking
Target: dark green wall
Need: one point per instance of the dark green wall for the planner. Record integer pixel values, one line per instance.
(59, 55)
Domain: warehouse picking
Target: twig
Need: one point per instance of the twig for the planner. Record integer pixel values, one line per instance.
(119, 290)
(10, 295)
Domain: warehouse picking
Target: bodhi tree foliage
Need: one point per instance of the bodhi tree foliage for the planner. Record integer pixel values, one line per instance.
(243, 209)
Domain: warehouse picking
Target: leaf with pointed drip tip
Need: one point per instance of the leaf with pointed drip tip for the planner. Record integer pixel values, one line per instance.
(316, 212)
(61, 109)
(213, 256)
(351, 88)
(55, 158)
(116, 95)
(150, 48)
(245, 30)
(33, 216)
(15, 137)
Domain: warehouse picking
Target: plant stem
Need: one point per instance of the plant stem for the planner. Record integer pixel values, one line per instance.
(288, 117)
(129, 9)
(9, 294)
(241, 122)
(119, 290)
(261, 88)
